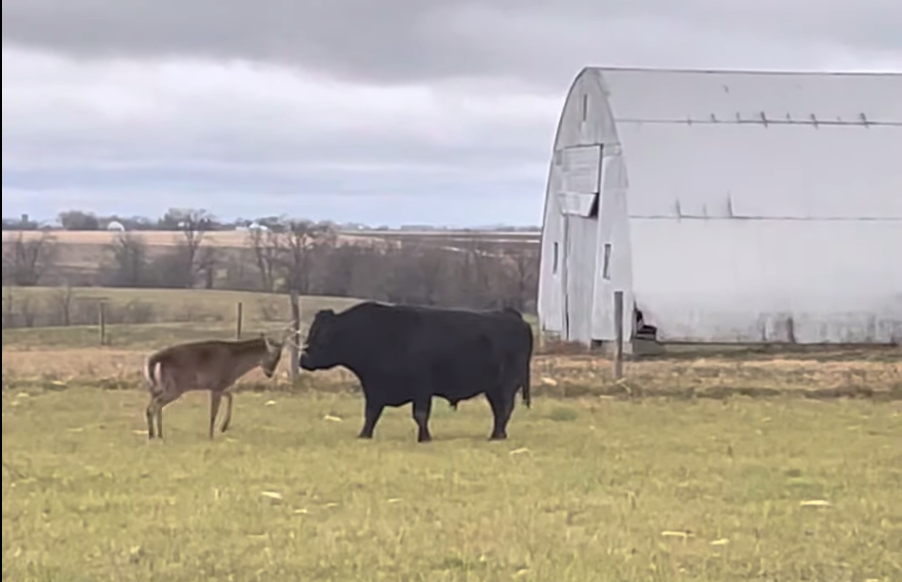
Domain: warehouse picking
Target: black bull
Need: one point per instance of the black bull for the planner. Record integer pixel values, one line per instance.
(405, 354)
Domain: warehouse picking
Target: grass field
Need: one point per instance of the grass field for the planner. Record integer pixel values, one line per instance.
(706, 467)
(584, 489)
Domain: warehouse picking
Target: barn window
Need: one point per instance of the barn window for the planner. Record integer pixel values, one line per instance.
(554, 260)
(606, 268)
(585, 106)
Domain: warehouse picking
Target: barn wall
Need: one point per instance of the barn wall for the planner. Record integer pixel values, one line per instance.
(769, 280)
(614, 229)
(762, 206)
(585, 121)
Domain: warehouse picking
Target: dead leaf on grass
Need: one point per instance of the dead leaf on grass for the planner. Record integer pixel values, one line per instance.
(677, 534)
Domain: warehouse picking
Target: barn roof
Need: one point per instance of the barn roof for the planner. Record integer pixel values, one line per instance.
(756, 143)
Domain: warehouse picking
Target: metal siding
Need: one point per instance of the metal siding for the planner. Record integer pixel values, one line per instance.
(613, 229)
(580, 257)
(776, 172)
(742, 281)
(801, 218)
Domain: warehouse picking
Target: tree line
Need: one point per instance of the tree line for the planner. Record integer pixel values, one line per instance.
(172, 219)
(294, 254)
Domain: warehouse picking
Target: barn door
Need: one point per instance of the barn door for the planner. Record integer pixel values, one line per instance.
(578, 200)
(565, 282)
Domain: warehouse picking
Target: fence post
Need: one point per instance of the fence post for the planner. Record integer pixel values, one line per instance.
(239, 317)
(295, 329)
(618, 335)
(101, 322)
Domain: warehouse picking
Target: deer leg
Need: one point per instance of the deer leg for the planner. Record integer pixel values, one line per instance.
(158, 413)
(159, 402)
(228, 416)
(149, 412)
(215, 399)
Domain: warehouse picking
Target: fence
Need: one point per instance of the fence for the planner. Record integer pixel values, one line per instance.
(111, 318)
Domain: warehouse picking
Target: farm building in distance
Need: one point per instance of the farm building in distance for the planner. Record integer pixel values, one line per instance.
(729, 207)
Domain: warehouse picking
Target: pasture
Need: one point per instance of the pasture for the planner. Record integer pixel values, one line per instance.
(584, 489)
(731, 466)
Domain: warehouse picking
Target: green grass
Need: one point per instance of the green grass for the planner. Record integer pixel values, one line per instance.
(583, 490)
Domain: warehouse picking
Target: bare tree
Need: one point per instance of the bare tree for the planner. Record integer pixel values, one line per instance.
(297, 246)
(525, 273)
(480, 264)
(26, 260)
(194, 226)
(265, 245)
(129, 260)
(207, 260)
(62, 300)
(8, 307)
(181, 266)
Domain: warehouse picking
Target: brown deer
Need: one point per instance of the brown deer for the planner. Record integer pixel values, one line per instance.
(212, 365)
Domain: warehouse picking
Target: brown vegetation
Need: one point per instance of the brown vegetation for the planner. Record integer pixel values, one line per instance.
(312, 258)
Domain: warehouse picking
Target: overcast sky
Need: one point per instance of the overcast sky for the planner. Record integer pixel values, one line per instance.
(378, 111)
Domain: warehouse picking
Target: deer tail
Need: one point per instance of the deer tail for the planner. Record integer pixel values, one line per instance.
(153, 374)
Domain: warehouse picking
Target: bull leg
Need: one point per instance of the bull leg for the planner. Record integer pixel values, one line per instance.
(228, 416)
(215, 400)
(421, 409)
(373, 412)
(501, 411)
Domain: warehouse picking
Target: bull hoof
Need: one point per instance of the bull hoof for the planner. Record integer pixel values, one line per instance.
(498, 437)
(424, 439)
(364, 436)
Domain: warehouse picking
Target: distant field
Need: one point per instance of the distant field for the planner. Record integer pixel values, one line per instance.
(583, 490)
(84, 250)
(236, 238)
(142, 317)
(223, 238)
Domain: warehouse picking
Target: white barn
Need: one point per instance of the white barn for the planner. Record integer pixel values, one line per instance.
(729, 207)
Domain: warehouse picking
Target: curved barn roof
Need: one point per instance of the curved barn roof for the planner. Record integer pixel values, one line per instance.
(753, 197)
(758, 144)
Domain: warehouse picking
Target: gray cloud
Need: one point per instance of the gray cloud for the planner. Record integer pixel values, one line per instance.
(395, 41)
(374, 110)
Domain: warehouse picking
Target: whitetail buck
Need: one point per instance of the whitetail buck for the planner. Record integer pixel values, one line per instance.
(212, 365)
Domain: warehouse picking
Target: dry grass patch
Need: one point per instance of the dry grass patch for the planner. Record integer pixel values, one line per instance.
(554, 376)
